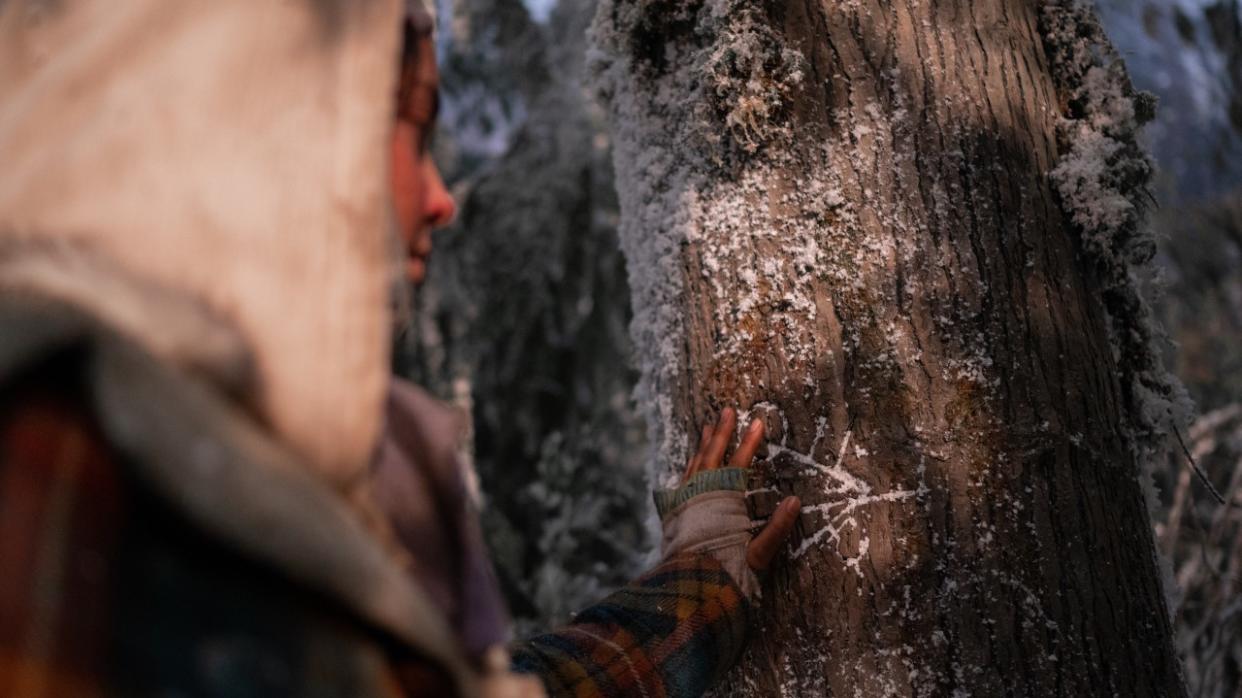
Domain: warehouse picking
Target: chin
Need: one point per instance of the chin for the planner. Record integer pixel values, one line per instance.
(415, 270)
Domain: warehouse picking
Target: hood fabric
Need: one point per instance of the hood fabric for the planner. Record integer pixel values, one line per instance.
(236, 152)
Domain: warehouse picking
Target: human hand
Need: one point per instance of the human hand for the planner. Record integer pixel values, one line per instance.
(713, 443)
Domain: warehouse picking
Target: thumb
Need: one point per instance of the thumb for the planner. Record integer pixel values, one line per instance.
(764, 547)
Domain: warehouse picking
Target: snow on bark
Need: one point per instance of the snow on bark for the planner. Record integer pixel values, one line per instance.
(1189, 52)
(1104, 179)
(880, 272)
(721, 106)
(762, 238)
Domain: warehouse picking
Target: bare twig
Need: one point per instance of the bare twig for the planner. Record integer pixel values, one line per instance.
(1202, 476)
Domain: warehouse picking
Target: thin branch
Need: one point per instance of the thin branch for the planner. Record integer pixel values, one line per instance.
(1195, 466)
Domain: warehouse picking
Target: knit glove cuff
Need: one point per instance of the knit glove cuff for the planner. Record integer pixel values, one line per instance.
(708, 515)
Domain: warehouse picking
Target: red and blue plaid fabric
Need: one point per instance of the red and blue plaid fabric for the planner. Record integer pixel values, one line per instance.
(672, 633)
(105, 590)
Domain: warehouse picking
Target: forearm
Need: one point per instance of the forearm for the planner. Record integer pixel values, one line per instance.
(673, 632)
(679, 628)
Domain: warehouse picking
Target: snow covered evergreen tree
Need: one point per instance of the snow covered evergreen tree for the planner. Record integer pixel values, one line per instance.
(909, 236)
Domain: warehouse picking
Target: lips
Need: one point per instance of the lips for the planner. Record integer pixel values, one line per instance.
(418, 250)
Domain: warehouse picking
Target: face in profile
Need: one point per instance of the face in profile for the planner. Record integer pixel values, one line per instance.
(420, 200)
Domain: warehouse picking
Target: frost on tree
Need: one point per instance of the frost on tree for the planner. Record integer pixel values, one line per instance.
(1197, 140)
(907, 235)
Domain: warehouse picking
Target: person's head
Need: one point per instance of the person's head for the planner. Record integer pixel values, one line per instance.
(239, 160)
(420, 200)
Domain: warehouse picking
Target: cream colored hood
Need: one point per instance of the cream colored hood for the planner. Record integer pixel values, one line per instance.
(234, 150)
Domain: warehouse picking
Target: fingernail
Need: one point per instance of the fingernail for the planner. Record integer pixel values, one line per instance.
(755, 424)
(792, 504)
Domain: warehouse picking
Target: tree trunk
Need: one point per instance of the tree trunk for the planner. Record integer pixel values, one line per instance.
(904, 234)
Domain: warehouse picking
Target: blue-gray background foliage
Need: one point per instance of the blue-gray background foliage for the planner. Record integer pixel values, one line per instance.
(523, 320)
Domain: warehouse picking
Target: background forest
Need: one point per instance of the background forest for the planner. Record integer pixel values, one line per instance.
(524, 319)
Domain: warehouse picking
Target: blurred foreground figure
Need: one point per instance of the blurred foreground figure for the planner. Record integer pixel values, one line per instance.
(193, 349)
(208, 483)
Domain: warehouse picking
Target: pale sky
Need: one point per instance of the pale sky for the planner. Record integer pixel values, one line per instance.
(539, 9)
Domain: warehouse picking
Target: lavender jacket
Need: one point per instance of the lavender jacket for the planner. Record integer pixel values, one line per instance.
(419, 483)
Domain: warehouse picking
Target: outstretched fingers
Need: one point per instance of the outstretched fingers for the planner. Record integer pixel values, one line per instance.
(751, 440)
(714, 441)
(696, 461)
(764, 546)
(720, 439)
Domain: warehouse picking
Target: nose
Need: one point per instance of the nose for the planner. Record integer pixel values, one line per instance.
(439, 207)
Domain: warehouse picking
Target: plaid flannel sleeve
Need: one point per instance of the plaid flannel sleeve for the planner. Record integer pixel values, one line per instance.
(673, 632)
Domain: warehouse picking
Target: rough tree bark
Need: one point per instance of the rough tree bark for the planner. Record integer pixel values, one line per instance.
(905, 234)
